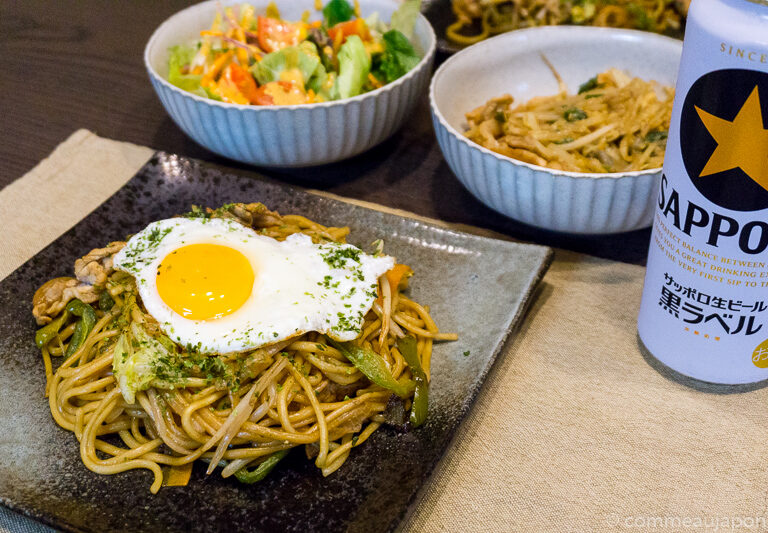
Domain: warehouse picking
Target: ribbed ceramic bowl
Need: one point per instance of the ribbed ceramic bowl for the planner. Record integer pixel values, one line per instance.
(572, 202)
(286, 136)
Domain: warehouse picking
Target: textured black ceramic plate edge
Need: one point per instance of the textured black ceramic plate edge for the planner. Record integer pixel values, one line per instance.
(510, 327)
(515, 325)
(43, 519)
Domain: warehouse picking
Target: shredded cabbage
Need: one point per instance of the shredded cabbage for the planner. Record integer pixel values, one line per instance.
(134, 361)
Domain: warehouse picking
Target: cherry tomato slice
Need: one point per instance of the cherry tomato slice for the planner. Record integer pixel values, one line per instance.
(275, 34)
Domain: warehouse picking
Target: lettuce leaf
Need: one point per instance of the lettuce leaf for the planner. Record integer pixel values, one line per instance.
(303, 58)
(398, 58)
(354, 66)
(317, 78)
(404, 18)
(181, 56)
(337, 11)
(317, 82)
(375, 25)
(310, 49)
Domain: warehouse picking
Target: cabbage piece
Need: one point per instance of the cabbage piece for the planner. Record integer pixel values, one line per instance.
(179, 57)
(135, 361)
(404, 18)
(354, 66)
(302, 59)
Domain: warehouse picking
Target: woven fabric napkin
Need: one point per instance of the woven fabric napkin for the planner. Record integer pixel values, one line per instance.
(572, 431)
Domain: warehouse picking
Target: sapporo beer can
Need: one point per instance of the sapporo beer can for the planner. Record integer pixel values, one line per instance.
(704, 310)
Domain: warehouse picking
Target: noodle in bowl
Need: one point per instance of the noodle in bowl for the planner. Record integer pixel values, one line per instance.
(492, 17)
(575, 202)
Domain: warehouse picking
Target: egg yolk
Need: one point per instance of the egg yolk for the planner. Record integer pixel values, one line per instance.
(205, 281)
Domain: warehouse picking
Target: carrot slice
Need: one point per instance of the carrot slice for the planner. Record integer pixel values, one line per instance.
(177, 476)
(395, 276)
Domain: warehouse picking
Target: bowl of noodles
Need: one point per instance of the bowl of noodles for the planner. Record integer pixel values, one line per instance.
(563, 128)
(461, 23)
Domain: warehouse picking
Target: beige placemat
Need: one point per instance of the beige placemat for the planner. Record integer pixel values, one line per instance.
(573, 430)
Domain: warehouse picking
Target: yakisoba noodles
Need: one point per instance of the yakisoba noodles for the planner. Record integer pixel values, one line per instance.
(614, 124)
(479, 19)
(243, 410)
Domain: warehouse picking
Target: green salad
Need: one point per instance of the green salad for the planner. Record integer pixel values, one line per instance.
(263, 59)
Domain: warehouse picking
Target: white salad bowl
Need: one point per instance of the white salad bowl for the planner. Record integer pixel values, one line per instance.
(287, 136)
(574, 202)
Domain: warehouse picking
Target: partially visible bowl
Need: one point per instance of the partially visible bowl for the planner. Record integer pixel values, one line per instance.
(286, 136)
(574, 202)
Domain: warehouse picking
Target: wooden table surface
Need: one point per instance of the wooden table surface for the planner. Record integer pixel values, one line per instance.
(78, 64)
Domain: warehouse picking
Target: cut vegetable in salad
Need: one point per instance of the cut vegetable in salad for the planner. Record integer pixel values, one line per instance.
(263, 59)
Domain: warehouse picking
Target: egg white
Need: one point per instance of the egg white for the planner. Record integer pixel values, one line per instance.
(299, 286)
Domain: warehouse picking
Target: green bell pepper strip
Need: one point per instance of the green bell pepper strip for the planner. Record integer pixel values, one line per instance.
(48, 332)
(260, 472)
(105, 301)
(407, 347)
(373, 367)
(84, 325)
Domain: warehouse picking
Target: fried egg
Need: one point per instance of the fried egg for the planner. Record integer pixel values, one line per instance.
(216, 286)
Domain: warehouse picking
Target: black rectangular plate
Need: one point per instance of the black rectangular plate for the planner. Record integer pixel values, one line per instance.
(475, 286)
